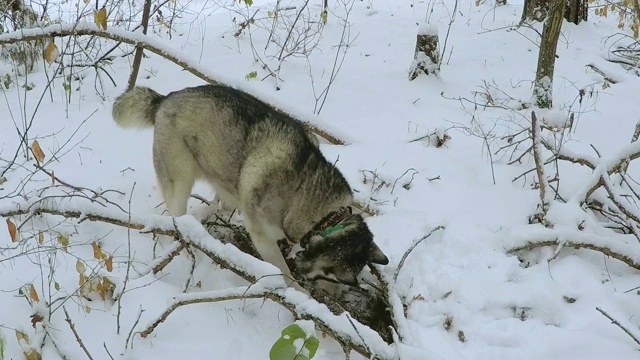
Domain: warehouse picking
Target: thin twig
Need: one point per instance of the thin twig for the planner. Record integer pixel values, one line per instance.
(75, 333)
(616, 323)
(129, 337)
(410, 249)
(126, 277)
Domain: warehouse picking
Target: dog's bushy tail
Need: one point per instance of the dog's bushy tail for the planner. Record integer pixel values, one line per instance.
(136, 108)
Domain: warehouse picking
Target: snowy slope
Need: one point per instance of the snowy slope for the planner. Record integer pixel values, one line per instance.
(460, 282)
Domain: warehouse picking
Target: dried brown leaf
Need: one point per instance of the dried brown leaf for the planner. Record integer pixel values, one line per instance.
(37, 151)
(13, 231)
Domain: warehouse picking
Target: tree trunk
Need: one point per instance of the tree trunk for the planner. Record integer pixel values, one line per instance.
(536, 10)
(543, 86)
(576, 11)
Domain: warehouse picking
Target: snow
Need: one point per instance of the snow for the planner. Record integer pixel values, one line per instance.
(465, 293)
(428, 29)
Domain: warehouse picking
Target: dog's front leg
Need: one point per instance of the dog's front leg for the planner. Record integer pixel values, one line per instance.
(267, 245)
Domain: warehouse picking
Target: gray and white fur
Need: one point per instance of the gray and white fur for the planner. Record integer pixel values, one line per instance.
(260, 161)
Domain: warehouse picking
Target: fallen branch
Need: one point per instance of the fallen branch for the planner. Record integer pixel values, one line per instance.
(348, 332)
(140, 41)
(601, 73)
(618, 249)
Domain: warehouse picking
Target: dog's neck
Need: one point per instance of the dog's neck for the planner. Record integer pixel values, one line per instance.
(297, 226)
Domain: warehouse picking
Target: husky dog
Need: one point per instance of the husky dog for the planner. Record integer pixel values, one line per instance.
(262, 162)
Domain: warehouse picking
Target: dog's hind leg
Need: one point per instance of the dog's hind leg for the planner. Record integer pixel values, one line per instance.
(176, 193)
(177, 172)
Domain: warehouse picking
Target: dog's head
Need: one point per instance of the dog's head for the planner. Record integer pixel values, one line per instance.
(339, 253)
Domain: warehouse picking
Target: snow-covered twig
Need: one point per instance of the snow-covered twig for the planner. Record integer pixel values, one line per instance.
(634, 138)
(617, 323)
(272, 284)
(616, 248)
(206, 297)
(142, 41)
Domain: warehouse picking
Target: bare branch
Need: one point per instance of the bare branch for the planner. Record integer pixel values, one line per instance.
(577, 243)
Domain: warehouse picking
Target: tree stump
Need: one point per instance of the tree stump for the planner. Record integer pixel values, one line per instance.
(426, 58)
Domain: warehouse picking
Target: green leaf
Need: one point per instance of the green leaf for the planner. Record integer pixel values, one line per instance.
(248, 2)
(287, 347)
(252, 75)
(56, 285)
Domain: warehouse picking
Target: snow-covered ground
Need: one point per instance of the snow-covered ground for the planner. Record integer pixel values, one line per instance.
(467, 297)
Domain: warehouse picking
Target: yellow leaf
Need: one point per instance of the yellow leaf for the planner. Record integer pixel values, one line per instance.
(33, 293)
(105, 286)
(13, 232)
(97, 252)
(51, 52)
(605, 10)
(32, 355)
(22, 336)
(37, 151)
(64, 241)
(87, 309)
(82, 280)
(109, 263)
(40, 238)
(80, 267)
(100, 18)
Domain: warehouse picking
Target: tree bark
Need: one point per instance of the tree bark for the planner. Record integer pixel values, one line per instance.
(542, 91)
(535, 10)
(576, 11)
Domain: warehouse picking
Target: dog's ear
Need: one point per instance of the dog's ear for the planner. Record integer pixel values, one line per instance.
(376, 255)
